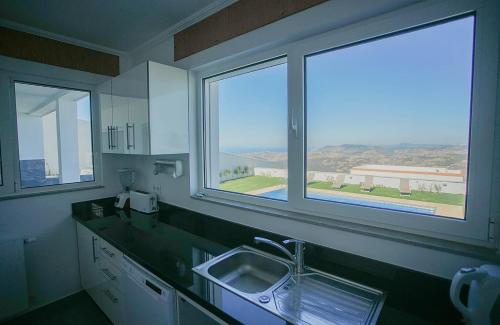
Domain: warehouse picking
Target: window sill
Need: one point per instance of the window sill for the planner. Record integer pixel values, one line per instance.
(485, 251)
(43, 191)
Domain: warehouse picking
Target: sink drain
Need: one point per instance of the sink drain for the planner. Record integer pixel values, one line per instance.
(264, 299)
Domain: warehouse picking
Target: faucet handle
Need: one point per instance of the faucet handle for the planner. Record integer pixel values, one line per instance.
(291, 240)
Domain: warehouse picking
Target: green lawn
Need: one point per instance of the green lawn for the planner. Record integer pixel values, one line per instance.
(445, 198)
(250, 183)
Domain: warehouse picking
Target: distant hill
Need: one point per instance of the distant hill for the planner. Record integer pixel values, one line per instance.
(342, 158)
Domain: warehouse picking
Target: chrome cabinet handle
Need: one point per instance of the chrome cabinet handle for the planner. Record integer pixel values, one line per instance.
(94, 257)
(114, 137)
(108, 274)
(105, 250)
(132, 126)
(109, 138)
(133, 135)
(110, 296)
(111, 128)
(127, 136)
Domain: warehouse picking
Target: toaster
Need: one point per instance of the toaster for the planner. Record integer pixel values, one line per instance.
(143, 201)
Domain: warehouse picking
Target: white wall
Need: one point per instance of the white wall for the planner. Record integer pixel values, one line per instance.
(52, 260)
(421, 257)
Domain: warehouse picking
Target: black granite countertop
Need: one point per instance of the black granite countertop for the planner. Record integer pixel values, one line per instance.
(171, 242)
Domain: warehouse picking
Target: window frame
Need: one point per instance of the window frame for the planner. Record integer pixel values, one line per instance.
(475, 228)
(228, 72)
(11, 167)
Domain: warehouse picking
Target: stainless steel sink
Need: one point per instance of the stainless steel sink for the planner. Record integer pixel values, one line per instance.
(249, 271)
(312, 297)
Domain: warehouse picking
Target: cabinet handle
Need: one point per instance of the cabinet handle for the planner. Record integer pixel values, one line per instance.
(109, 274)
(94, 258)
(112, 130)
(110, 296)
(128, 137)
(133, 135)
(109, 138)
(105, 250)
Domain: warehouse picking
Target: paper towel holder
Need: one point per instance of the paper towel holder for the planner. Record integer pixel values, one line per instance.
(172, 168)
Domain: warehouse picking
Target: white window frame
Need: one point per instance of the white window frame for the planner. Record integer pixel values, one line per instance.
(474, 229)
(10, 146)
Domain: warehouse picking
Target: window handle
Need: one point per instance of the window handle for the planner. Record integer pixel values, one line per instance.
(294, 125)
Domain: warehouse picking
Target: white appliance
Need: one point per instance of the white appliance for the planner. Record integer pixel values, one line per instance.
(484, 290)
(127, 179)
(147, 300)
(143, 201)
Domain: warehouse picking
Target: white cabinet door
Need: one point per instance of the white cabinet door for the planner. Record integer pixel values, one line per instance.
(138, 126)
(168, 109)
(149, 111)
(106, 110)
(120, 120)
(87, 256)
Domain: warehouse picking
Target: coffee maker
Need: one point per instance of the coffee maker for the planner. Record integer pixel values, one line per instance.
(127, 178)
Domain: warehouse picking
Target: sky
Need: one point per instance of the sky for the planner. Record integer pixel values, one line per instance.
(410, 88)
(83, 108)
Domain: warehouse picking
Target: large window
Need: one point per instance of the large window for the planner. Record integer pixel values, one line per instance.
(388, 121)
(246, 117)
(54, 135)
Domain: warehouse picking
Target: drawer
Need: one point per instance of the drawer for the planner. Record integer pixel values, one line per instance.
(107, 251)
(109, 272)
(109, 300)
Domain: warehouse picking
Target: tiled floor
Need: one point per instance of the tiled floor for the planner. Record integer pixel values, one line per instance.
(75, 310)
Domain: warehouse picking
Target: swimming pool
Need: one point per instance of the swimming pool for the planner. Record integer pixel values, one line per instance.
(282, 194)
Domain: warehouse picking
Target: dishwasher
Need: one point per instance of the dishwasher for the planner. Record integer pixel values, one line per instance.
(147, 299)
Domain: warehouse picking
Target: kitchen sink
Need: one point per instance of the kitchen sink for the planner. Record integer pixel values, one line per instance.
(249, 271)
(312, 297)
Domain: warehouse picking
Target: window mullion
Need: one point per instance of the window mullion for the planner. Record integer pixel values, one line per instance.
(295, 128)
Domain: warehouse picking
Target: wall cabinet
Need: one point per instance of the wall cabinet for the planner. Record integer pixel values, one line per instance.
(144, 111)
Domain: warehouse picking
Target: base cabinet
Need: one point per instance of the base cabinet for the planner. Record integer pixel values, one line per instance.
(127, 293)
(189, 312)
(100, 273)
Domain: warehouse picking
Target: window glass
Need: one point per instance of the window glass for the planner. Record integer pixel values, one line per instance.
(247, 131)
(54, 135)
(387, 121)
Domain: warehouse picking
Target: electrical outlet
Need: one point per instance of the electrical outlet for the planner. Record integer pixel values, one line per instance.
(157, 189)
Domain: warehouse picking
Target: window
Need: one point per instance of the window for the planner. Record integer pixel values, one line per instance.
(247, 142)
(388, 121)
(54, 135)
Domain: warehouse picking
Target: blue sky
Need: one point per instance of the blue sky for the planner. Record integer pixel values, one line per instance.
(410, 88)
(83, 108)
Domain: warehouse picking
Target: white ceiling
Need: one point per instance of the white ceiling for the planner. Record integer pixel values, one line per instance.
(117, 24)
(39, 100)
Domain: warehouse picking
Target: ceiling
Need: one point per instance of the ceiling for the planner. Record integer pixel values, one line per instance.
(37, 100)
(117, 24)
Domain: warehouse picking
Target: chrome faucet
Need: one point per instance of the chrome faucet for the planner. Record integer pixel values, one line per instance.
(297, 259)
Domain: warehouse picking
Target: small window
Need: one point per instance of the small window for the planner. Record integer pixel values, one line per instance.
(246, 138)
(387, 121)
(54, 135)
